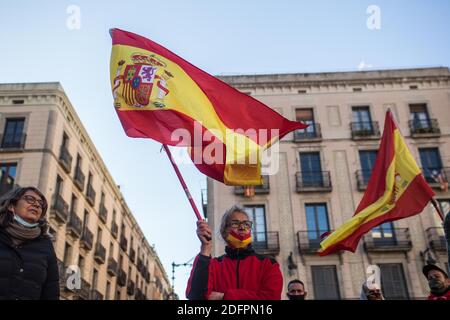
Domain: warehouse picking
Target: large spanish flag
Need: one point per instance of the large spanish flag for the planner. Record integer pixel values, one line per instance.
(159, 95)
(396, 190)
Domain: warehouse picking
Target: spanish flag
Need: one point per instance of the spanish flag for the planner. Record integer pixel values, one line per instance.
(159, 95)
(396, 190)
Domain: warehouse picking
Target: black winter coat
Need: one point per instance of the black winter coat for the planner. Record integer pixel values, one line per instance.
(28, 271)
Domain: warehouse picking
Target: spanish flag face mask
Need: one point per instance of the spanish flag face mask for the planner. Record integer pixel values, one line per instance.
(238, 241)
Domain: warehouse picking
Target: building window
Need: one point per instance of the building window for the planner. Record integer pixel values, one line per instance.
(81, 264)
(325, 283)
(367, 159)
(316, 221)
(95, 280)
(58, 186)
(361, 119)
(257, 214)
(73, 205)
(307, 117)
(419, 116)
(67, 255)
(13, 136)
(384, 234)
(7, 176)
(99, 235)
(108, 290)
(111, 250)
(311, 169)
(85, 220)
(393, 281)
(431, 163)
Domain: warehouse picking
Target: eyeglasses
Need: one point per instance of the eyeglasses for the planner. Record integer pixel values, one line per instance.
(32, 200)
(236, 224)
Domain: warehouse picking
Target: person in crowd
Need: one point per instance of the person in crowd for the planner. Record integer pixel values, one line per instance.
(296, 290)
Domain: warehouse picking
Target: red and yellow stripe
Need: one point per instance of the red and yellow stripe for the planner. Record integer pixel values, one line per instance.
(396, 190)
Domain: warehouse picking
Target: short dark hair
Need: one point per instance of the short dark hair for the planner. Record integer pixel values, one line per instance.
(295, 281)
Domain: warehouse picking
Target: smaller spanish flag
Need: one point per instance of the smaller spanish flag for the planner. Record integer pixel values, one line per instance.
(396, 190)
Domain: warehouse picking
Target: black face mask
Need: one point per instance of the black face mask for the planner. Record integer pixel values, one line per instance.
(437, 286)
(294, 297)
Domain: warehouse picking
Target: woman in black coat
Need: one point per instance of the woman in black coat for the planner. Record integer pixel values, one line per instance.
(28, 265)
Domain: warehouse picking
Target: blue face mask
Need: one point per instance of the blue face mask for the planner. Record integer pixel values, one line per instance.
(24, 223)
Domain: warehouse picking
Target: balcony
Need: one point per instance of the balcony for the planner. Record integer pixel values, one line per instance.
(65, 159)
(362, 179)
(130, 288)
(311, 134)
(425, 128)
(87, 239)
(75, 226)
(100, 253)
(139, 265)
(436, 239)
(13, 142)
(79, 179)
(112, 267)
(365, 130)
(59, 210)
(132, 255)
(147, 276)
(84, 292)
(121, 278)
(259, 189)
(396, 241)
(139, 295)
(308, 241)
(103, 213)
(114, 229)
(314, 181)
(95, 295)
(90, 195)
(437, 178)
(123, 243)
(266, 243)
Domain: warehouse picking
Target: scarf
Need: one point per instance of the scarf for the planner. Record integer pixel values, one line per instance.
(18, 233)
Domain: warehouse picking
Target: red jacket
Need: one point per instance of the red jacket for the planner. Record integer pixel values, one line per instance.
(445, 296)
(240, 274)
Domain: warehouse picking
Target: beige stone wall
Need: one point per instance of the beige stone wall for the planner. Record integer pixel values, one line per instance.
(48, 114)
(332, 96)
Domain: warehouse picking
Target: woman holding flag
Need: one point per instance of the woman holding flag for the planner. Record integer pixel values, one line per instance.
(239, 274)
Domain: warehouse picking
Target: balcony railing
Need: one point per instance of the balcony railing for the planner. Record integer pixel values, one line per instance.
(312, 133)
(65, 159)
(103, 213)
(121, 278)
(112, 267)
(90, 195)
(87, 239)
(436, 239)
(132, 255)
(59, 210)
(79, 179)
(147, 276)
(84, 292)
(365, 130)
(114, 229)
(139, 265)
(266, 243)
(96, 295)
(309, 240)
(130, 287)
(396, 239)
(100, 253)
(259, 189)
(123, 243)
(75, 226)
(313, 181)
(424, 128)
(16, 141)
(437, 178)
(362, 179)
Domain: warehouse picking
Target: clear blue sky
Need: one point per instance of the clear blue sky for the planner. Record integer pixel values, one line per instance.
(220, 37)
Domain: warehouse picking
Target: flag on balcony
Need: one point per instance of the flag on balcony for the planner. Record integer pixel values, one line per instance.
(396, 190)
(157, 93)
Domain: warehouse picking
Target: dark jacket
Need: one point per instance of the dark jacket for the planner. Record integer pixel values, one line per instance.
(240, 274)
(28, 271)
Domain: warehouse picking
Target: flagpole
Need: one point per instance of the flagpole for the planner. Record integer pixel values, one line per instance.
(436, 206)
(183, 184)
